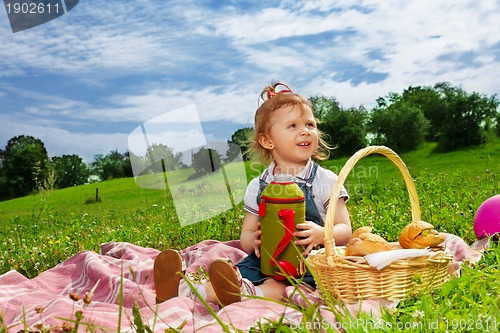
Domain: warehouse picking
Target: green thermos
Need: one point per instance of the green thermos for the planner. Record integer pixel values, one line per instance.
(281, 207)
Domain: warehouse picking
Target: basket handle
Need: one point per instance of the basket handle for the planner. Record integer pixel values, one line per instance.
(349, 165)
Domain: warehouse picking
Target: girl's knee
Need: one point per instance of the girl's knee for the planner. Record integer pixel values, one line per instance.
(273, 289)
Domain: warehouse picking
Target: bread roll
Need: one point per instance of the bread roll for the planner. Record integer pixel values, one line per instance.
(363, 242)
(419, 235)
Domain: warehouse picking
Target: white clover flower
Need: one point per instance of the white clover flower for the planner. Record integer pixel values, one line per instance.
(418, 314)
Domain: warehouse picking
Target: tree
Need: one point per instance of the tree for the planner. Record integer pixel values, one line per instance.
(429, 101)
(69, 170)
(345, 129)
(113, 165)
(465, 117)
(161, 157)
(3, 180)
(232, 152)
(241, 138)
(206, 160)
(399, 126)
(25, 164)
(497, 121)
(455, 118)
(2, 158)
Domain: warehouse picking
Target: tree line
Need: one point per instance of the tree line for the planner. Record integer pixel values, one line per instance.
(25, 167)
(443, 113)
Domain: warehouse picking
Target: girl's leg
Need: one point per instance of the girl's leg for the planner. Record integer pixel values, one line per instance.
(273, 289)
(208, 293)
(166, 277)
(226, 283)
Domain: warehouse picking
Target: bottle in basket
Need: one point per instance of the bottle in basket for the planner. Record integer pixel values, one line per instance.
(282, 206)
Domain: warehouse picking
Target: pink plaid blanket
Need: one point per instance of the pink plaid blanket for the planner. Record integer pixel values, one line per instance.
(122, 273)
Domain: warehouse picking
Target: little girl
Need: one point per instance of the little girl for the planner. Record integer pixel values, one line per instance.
(287, 137)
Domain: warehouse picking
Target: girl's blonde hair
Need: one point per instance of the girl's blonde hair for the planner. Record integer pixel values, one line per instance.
(276, 96)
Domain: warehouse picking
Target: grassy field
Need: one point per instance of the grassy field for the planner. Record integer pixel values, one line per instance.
(38, 232)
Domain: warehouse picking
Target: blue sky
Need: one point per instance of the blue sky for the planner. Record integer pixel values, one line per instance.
(83, 82)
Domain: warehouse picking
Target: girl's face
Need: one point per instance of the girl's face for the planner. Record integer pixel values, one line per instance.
(292, 138)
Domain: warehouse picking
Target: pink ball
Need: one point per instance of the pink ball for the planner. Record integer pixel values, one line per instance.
(487, 218)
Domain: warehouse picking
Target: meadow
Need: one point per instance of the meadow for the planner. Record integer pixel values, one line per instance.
(38, 232)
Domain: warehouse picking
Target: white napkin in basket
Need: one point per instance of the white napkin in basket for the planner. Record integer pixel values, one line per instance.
(381, 259)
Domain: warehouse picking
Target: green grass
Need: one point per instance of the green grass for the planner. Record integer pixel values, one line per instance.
(115, 194)
(122, 195)
(38, 232)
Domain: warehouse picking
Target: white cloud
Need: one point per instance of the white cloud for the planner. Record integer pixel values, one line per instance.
(97, 36)
(411, 38)
(167, 55)
(234, 103)
(59, 141)
(272, 24)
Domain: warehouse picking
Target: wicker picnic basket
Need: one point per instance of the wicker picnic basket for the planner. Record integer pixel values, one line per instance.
(350, 278)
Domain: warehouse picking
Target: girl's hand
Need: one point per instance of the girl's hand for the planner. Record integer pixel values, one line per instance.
(257, 240)
(250, 234)
(310, 235)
